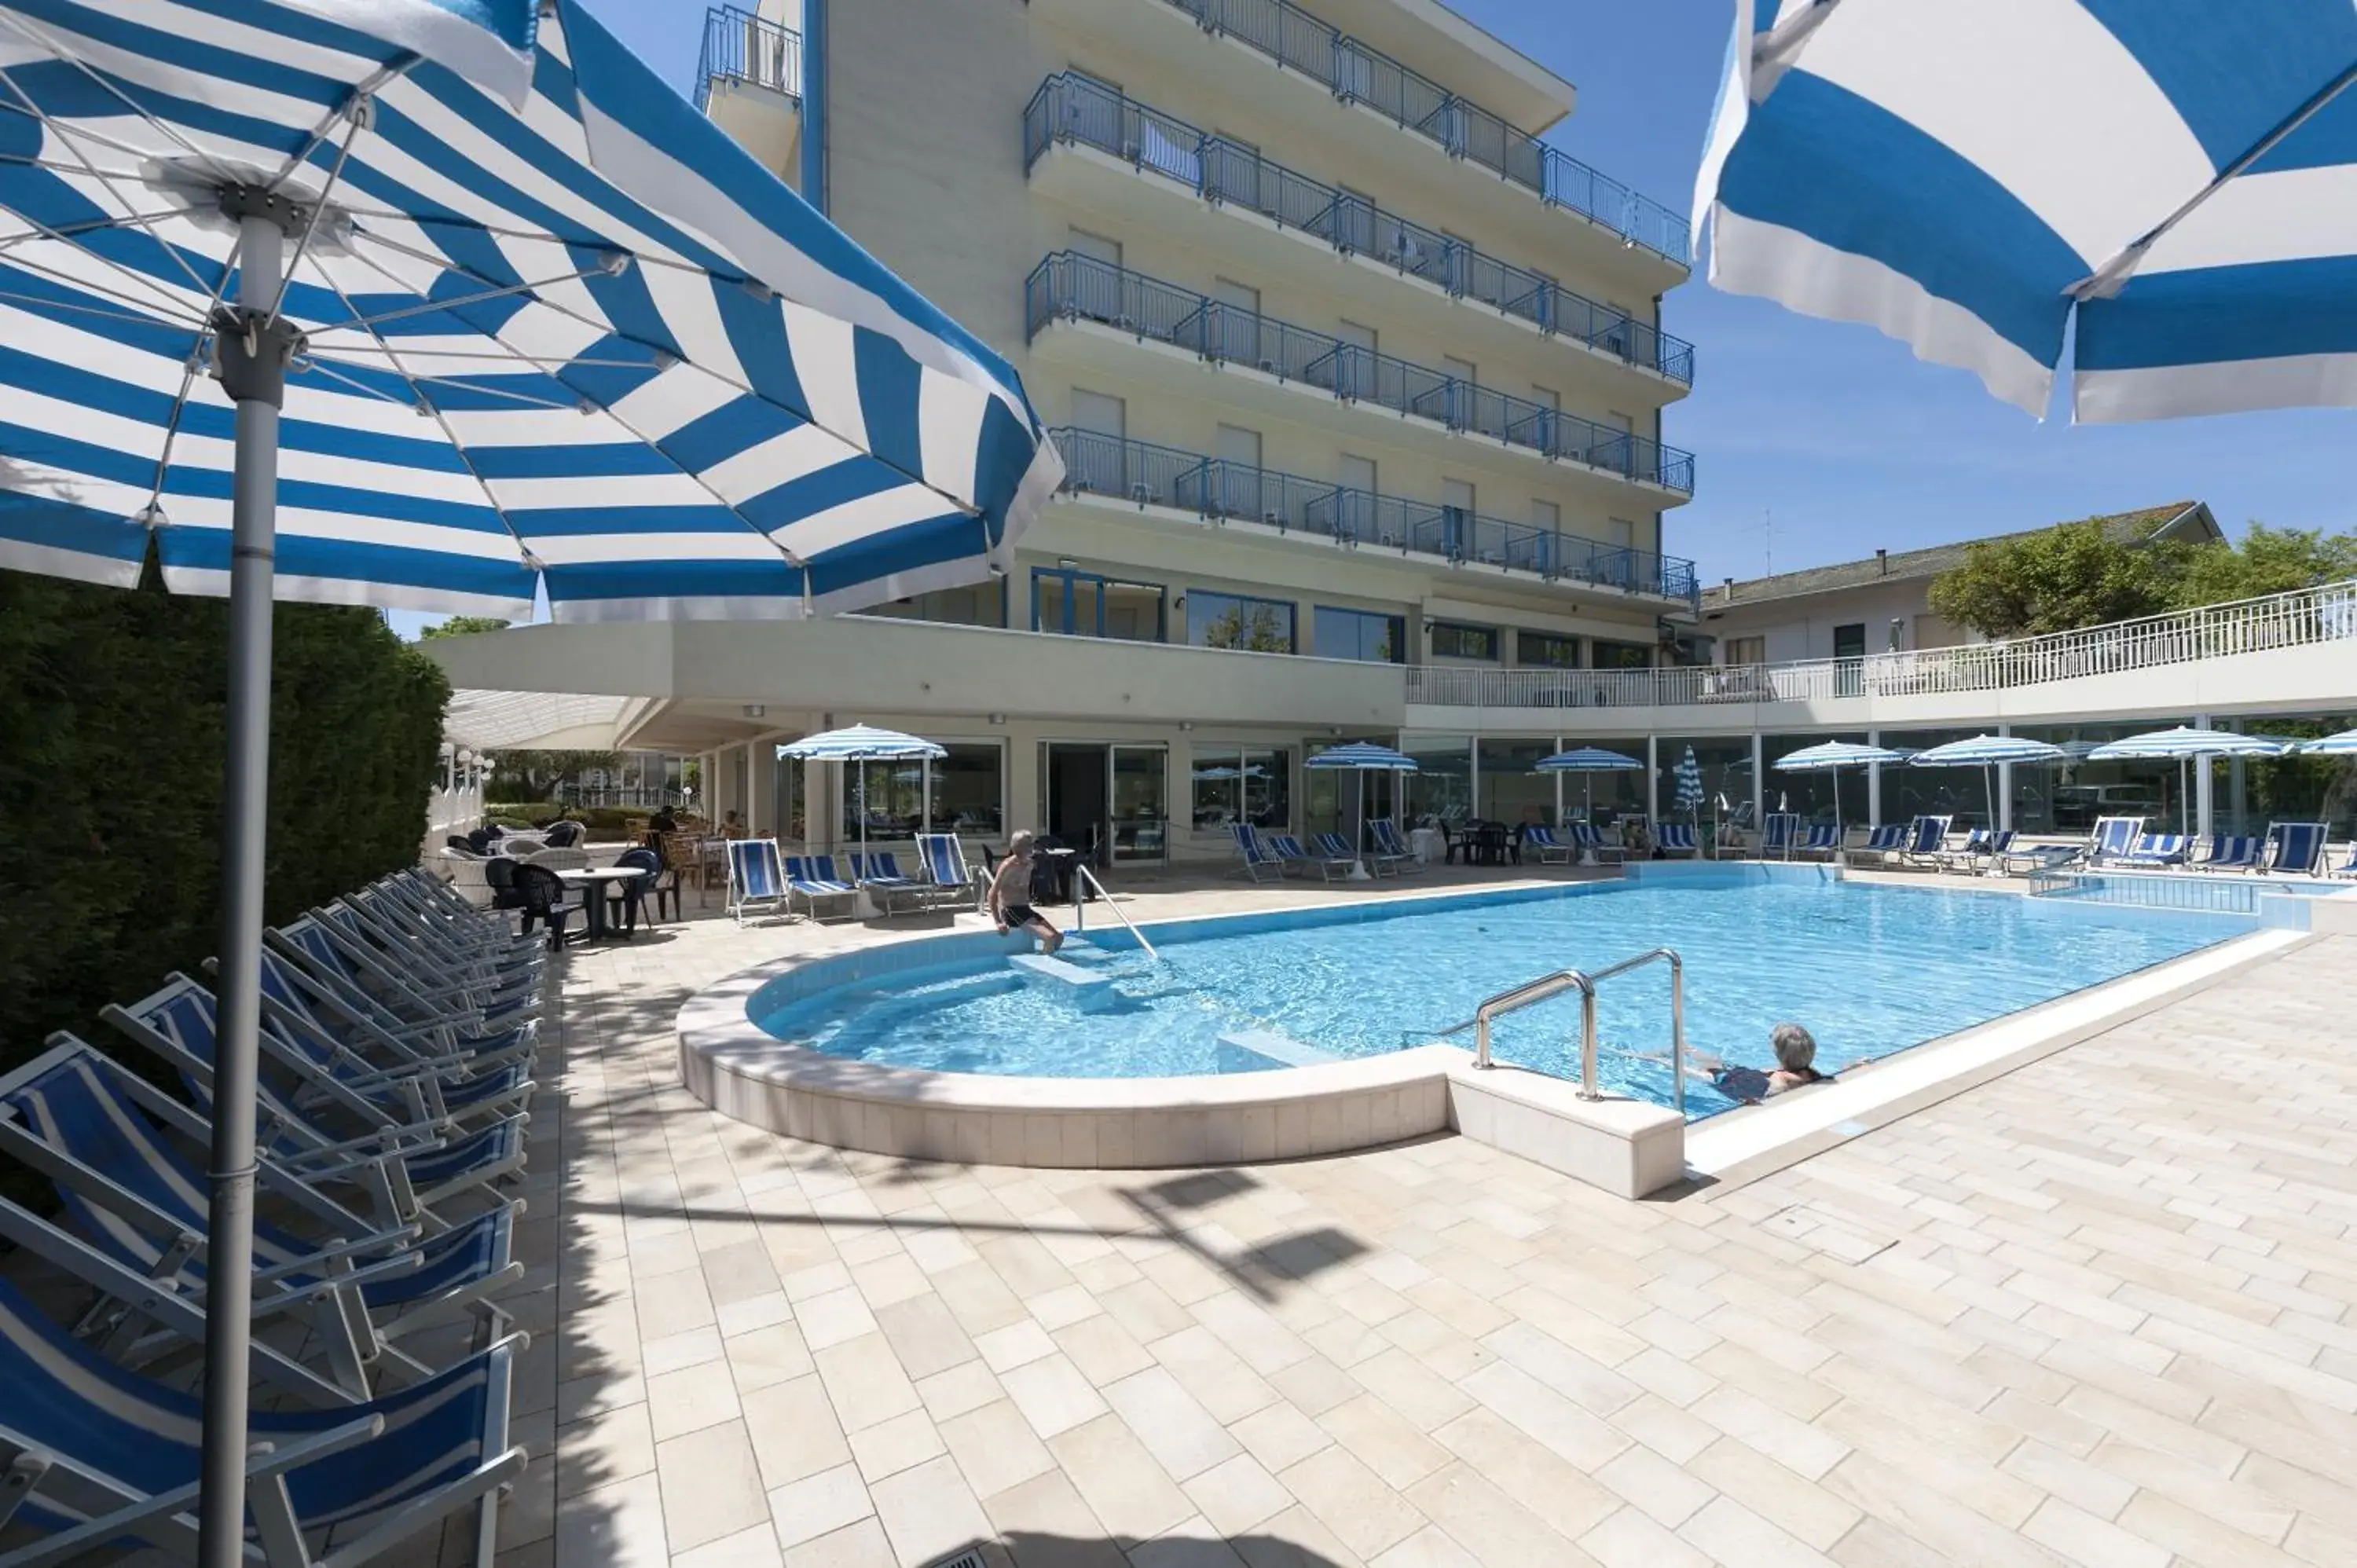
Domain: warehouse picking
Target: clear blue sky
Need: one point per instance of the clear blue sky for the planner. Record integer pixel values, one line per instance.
(1837, 432)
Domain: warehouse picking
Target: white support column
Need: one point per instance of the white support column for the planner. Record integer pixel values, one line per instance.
(2203, 794)
(1653, 780)
(757, 790)
(1758, 780)
(2004, 788)
(1873, 783)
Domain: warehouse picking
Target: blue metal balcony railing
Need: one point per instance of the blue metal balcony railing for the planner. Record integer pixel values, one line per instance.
(741, 46)
(1147, 474)
(1075, 108)
(1357, 74)
(1069, 287)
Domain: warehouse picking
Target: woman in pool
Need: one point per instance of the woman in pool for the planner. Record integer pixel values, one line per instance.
(1011, 887)
(1797, 1051)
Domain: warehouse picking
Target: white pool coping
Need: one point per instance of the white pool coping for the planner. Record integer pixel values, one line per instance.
(1624, 1145)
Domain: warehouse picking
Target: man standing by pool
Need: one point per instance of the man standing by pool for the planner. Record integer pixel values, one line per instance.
(1010, 893)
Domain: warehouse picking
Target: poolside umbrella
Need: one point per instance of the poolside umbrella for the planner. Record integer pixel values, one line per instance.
(1988, 752)
(1968, 178)
(519, 320)
(2184, 745)
(1590, 760)
(2342, 745)
(1832, 757)
(862, 743)
(1689, 776)
(1362, 758)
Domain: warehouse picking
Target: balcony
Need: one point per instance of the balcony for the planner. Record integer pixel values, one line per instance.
(1081, 289)
(1073, 110)
(749, 82)
(1357, 74)
(1142, 474)
(2286, 652)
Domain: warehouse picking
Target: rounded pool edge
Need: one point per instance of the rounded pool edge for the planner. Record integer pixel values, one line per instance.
(731, 1064)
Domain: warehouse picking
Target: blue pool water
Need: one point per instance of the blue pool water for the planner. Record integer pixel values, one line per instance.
(1870, 970)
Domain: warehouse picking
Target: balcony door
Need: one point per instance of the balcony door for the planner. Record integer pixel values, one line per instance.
(1109, 802)
(1849, 658)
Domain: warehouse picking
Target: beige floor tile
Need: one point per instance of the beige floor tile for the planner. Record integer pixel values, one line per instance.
(1430, 1547)
(857, 1545)
(1662, 1490)
(833, 1317)
(865, 1380)
(1238, 1494)
(696, 1397)
(1279, 1435)
(968, 1386)
(764, 1356)
(1179, 1432)
(1385, 1440)
(1352, 1501)
(892, 1446)
(606, 1448)
(1485, 1519)
(818, 1504)
(793, 1430)
(1799, 1507)
(1191, 1544)
(1133, 1496)
(2080, 1536)
(754, 1548)
(995, 1448)
(620, 1525)
(927, 1511)
(1633, 1538)
(1044, 1525)
(1294, 1539)
(1053, 1394)
(1004, 1349)
(1102, 1349)
(711, 1486)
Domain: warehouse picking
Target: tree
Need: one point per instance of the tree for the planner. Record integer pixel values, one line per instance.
(2059, 579)
(541, 772)
(464, 626)
(1255, 629)
(2266, 561)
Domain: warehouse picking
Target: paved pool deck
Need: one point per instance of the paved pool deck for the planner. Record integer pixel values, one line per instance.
(2097, 1311)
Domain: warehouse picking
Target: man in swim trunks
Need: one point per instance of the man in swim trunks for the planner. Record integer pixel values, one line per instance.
(1011, 887)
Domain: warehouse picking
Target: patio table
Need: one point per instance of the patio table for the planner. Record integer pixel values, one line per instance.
(593, 879)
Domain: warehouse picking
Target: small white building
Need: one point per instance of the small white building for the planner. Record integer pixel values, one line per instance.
(1881, 603)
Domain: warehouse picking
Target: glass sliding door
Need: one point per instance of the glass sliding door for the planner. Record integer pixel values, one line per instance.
(1141, 804)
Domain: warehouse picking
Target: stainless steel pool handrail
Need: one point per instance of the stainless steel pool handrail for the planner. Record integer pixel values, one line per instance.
(1080, 920)
(1532, 992)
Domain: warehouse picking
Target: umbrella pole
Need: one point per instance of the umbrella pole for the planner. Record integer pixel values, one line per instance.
(253, 372)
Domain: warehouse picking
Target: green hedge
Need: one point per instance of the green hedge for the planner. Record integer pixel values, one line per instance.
(112, 712)
(598, 819)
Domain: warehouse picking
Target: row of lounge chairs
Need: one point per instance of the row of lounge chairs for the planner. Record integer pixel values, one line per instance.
(398, 1037)
(2289, 849)
(764, 883)
(1329, 854)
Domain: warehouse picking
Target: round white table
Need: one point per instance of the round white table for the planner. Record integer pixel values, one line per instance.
(593, 879)
(1430, 844)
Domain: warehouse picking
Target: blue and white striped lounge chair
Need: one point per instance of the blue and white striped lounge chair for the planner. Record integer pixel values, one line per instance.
(1548, 848)
(1677, 838)
(406, 1167)
(2152, 851)
(412, 1000)
(1391, 852)
(1336, 851)
(1290, 853)
(2229, 852)
(1927, 838)
(473, 1082)
(1881, 843)
(1255, 853)
(361, 941)
(374, 1031)
(2295, 849)
(1820, 838)
(2112, 839)
(105, 1139)
(880, 874)
(1590, 842)
(399, 924)
(1984, 849)
(812, 877)
(757, 881)
(947, 873)
(1777, 832)
(101, 1454)
(2348, 868)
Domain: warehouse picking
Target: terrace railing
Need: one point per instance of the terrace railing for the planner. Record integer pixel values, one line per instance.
(1356, 73)
(2305, 617)
(1074, 110)
(741, 46)
(1220, 489)
(1067, 286)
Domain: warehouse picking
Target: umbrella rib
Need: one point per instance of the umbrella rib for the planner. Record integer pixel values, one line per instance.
(67, 231)
(132, 316)
(2107, 280)
(137, 310)
(356, 111)
(369, 323)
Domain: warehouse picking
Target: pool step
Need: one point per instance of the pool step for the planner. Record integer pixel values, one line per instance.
(1259, 1050)
(1091, 993)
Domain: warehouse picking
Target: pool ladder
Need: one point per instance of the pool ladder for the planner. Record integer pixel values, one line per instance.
(1530, 993)
(1080, 907)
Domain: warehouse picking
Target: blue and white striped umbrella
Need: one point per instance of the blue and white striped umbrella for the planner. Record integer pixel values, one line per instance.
(1688, 775)
(2342, 745)
(1364, 755)
(2185, 744)
(1588, 759)
(1988, 751)
(549, 325)
(1967, 179)
(861, 743)
(1835, 754)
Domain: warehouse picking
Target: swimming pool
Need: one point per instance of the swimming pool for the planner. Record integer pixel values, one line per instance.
(1868, 969)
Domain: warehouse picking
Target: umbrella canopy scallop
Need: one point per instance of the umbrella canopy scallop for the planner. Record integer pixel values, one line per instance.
(1364, 755)
(861, 743)
(1588, 759)
(2185, 743)
(1836, 754)
(1988, 751)
(2342, 745)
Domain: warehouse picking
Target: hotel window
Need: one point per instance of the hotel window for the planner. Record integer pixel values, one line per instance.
(1747, 650)
(1624, 533)
(1232, 620)
(1546, 650)
(984, 603)
(1233, 786)
(1082, 604)
(969, 793)
(1620, 655)
(1359, 633)
(1096, 247)
(1451, 640)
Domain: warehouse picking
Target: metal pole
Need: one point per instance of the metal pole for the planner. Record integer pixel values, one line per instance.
(228, 1262)
(1587, 1090)
(1678, 1032)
